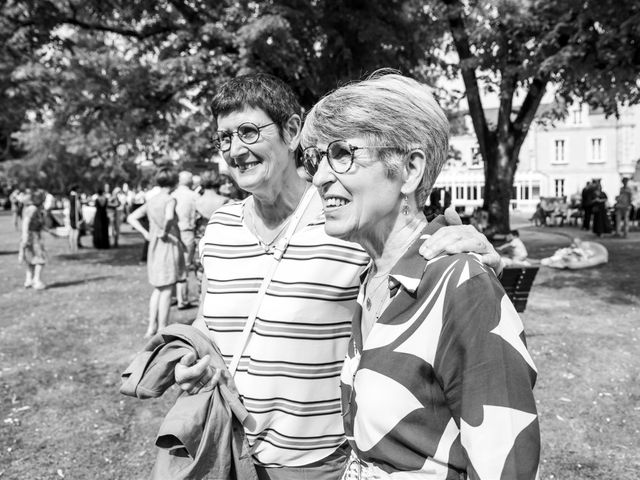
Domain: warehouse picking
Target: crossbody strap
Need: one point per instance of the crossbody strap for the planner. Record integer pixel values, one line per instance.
(280, 248)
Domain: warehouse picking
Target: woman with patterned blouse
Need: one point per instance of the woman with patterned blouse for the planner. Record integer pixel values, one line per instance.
(437, 383)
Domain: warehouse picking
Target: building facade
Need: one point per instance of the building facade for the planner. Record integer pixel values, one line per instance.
(555, 160)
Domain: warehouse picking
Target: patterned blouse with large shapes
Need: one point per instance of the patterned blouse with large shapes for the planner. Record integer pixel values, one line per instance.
(442, 386)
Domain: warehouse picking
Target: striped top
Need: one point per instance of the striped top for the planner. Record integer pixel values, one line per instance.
(289, 373)
(442, 386)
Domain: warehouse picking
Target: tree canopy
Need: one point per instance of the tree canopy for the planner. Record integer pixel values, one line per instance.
(111, 81)
(588, 50)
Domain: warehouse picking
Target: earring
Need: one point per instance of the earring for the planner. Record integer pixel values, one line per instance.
(405, 205)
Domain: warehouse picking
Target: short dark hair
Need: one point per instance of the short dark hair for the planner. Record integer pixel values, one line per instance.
(209, 180)
(257, 90)
(37, 197)
(166, 177)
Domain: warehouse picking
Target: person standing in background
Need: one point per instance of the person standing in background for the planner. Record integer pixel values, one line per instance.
(17, 197)
(623, 207)
(74, 218)
(197, 184)
(165, 260)
(101, 221)
(116, 206)
(32, 252)
(587, 204)
(601, 220)
(186, 213)
(207, 202)
(128, 195)
(139, 199)
(210, 200)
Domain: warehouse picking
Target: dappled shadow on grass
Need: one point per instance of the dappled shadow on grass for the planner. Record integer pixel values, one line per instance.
(128, 254)
(620, 299)
(615, 283)
(77, 282)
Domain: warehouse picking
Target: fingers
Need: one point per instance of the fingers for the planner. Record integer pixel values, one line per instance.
(207, 382)
(493, 260)
(458, 239)
(188, 360)
(454, 239)
(451, 216)
(193, 377)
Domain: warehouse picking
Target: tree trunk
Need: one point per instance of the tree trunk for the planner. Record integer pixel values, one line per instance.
(499, 176)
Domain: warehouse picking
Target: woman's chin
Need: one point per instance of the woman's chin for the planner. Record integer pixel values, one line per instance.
(338, 230)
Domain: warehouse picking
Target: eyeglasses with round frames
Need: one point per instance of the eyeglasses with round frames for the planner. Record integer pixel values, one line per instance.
(247, 132)
(339, 153)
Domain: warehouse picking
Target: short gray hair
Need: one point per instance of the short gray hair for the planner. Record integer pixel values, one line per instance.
(386, 109)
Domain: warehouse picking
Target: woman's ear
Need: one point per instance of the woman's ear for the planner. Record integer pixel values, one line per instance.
(413, 171)
(292, 131)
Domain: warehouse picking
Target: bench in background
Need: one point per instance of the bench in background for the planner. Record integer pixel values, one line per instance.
(517, 282)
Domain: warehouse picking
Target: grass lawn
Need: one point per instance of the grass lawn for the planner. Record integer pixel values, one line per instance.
(62, 351)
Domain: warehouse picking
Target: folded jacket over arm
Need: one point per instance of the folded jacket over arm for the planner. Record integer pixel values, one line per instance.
(202, 436)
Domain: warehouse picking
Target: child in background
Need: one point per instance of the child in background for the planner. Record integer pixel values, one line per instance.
(513, 251)
(32, 252)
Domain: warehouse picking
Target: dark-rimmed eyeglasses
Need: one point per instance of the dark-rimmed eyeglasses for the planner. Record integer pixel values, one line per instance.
(339, 154)
(247, 132)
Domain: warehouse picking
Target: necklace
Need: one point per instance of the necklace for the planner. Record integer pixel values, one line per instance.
(375, 298)
(268, 246)
(373, 285)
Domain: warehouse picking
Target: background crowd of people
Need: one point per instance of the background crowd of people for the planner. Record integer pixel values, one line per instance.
(76, 214)
(593, 209)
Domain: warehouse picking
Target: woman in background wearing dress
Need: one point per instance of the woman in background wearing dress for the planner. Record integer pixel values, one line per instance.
(165, 258)
(101, 221)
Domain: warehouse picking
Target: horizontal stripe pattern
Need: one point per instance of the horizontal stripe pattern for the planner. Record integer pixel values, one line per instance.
(284, 289)
(289, 373)
(299, 409)
(283, 441)
(271, 328)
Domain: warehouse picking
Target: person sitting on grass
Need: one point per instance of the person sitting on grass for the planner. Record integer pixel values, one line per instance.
(513, 252)
(580, 254)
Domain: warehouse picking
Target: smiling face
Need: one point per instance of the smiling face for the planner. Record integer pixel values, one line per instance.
(261, 166)
(361, 205)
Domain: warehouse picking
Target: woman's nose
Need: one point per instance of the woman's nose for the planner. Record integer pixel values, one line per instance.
(324, 174)
(237, 146)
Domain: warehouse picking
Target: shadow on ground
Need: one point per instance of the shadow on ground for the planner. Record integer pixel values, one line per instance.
(117, 256)
(78, 282)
